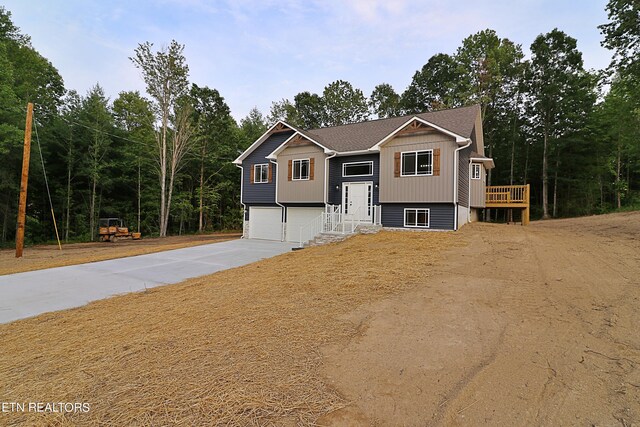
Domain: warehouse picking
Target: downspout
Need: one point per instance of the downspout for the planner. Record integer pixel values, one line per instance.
(456, 157)
(326, 178)
(469, 194)
(244, 207)
(279, 204)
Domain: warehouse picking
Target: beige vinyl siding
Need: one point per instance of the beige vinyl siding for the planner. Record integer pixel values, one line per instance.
(478, 189)
(417, 188)
(477, 137)
(301, 191)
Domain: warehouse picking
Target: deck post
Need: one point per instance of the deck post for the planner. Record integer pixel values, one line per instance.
(525, 212)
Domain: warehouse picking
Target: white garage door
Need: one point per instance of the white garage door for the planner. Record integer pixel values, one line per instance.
(298, 217)
(265, 223)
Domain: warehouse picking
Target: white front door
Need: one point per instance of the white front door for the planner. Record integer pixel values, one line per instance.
(357, 201)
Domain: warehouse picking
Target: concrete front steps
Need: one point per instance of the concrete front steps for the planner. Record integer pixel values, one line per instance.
(324, 238)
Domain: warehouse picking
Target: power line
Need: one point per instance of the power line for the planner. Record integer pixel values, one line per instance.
(46, 182)
(101, 131)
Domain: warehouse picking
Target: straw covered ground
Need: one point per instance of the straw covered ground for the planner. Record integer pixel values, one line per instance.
(48, 256)
(240, 347)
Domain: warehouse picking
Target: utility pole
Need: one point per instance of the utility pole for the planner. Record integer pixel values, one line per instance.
(26, 156)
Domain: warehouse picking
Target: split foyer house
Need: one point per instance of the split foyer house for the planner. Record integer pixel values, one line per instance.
(422, 171)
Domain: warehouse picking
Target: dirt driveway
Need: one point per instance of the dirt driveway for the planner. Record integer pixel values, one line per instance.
(525, 326)
(496, 325)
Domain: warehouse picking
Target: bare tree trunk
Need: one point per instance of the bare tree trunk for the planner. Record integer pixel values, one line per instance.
(169, 196)
(526, 164)
(68, 211)
(618, 180)
(69, 167)
(5, 222)
(601, 193)
(201, 208)
(163, 176)
(555, 189)
(545, 178)
(179, 148)
(92, 219)
(139, 194)
(513, 152)
(487, 212)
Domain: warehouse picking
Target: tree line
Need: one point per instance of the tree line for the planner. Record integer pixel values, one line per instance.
(163, 161)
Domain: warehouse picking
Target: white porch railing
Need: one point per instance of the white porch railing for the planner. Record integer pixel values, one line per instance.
(333, 221)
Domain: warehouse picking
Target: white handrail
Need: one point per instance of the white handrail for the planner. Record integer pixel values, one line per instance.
(333, 221)
(311, 229)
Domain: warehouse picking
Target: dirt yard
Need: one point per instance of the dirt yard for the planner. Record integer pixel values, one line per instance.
(47, 256)
(495, 325)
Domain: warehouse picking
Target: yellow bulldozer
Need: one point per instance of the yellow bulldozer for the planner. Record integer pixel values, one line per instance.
(114, 229)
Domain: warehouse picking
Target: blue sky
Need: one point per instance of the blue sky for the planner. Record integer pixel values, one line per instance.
(258, 51)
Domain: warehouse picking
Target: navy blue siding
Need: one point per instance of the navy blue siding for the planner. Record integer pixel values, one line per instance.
(261, 194)
(336, 179)
(441, 215)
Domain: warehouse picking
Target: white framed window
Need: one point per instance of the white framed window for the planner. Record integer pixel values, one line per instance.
(261, 173)
(416, 163)
(300, 170)
(416, 217)
(476, 171)
(357, 169)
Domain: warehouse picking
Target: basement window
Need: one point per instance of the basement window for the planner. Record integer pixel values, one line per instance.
(417, 218)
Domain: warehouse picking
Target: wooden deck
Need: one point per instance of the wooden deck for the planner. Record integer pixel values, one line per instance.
(509, 196)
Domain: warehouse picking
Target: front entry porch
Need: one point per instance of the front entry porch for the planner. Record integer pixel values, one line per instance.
(341, 220)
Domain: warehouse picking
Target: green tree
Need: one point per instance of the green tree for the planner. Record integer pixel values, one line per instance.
(433, 87)
(490, 71)
(10, 143)
(216, 145)
(165, 73)
(560, 97)
(622, 33)
(309, 110)
(96, 116)
(282, 110)
(384, 101)
(252, 127)
(133, 114)
(344, 104)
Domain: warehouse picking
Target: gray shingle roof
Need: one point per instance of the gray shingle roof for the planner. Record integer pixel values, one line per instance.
(364, 135)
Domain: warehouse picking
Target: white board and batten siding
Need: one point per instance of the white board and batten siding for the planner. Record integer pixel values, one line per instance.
(265, 223)
(299, 217)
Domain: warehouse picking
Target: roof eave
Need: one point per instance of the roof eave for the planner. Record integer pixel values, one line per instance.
(257, 142)
(486, 161)
(274, 154)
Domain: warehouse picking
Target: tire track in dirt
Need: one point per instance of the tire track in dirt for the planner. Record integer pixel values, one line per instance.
(532, 326)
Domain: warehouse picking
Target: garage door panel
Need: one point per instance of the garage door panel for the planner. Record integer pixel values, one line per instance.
(265, 223)
(299, 217)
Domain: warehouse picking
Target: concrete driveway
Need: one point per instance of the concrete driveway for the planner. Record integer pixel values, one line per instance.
(28, 294)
